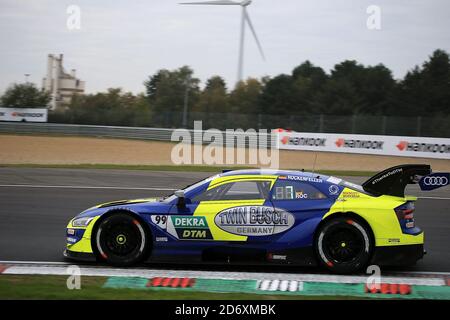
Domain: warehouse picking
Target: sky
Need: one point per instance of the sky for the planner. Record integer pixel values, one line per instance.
(121, 43)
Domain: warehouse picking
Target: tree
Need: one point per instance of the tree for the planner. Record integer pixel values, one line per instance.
(277, 97)
(166, 89)
(214, 97)
(113, 107)
(244, 99)
(25, 95)
(354, 88)
(308, 81)
(426, 90)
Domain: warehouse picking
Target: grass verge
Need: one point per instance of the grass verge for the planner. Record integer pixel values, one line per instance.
(54, 287)
(184, 168)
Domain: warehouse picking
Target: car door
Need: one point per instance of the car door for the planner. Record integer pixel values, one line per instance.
(226, 208)
(305, 199)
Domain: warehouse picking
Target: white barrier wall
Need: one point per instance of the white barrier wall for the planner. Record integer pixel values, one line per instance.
(438, 148)
(23, 114)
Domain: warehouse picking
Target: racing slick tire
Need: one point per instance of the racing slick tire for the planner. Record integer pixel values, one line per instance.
(344, 245)
(121, 240)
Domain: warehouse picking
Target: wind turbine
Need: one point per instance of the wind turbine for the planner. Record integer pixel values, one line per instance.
(245, 18)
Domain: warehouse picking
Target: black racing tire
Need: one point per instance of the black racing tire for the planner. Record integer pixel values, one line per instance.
(344, 245)
(121, 240)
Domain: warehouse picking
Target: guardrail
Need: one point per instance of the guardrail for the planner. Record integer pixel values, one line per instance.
(244, 139)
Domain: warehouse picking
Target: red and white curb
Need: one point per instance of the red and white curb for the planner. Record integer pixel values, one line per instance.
(61, 268)
(279, 285)
(171, 282)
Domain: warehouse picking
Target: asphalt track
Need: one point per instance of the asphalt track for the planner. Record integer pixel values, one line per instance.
(36, 205)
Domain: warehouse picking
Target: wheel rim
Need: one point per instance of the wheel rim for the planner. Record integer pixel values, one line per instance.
(343, 244)
(121, 239)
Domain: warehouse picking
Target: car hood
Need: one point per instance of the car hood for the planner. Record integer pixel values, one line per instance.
(104, 207)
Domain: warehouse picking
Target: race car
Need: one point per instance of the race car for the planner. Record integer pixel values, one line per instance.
(260, 217)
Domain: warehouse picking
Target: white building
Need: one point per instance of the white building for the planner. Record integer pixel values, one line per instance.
(61, 85)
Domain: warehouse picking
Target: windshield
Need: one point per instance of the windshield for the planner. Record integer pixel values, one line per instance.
(189, 188)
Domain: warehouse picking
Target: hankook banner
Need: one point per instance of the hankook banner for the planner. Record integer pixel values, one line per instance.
(438, 148)
(23, 114)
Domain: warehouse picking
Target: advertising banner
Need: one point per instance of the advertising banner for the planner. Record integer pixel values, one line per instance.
(23, 114)
(438, 148)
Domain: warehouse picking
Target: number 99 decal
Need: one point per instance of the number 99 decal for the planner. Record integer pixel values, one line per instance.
(160, 221)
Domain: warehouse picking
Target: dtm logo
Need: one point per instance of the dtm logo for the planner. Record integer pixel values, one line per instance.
(434, 181)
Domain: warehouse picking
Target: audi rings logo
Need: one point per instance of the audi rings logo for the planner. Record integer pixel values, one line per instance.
(435, 181)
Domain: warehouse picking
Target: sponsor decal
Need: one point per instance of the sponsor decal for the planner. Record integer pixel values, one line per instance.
(333, 189)
(27, 114)
(302, 141)
(160, 221)
(386, 175)
(161, 239)
(285, 140)
(71, 232)
(302, 178)
(191, 227)
(301, 195)
(394, 240)
(272, 256)
(434, 181)
(359, 144)
(350, 194)
(71, 240)
(23, 114)
(410, 224)
(254, 220)
(423, 147)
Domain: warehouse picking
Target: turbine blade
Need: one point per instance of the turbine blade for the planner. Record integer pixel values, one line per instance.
(214, 2)
(247, 17)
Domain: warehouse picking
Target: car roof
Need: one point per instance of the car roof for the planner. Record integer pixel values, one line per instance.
(273, 172)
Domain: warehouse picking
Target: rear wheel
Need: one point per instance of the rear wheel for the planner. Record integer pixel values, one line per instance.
(344, 245)
(121, 240)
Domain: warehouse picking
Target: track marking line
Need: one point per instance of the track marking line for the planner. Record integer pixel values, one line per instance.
(434, 198)
(35, 262)
(82, 187)
(145, 268)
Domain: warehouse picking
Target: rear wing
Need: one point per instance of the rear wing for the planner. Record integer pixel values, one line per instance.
(393, 181)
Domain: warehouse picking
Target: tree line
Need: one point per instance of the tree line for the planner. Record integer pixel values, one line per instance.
(349, 89)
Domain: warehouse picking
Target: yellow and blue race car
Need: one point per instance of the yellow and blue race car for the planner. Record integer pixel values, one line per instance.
(260, 217)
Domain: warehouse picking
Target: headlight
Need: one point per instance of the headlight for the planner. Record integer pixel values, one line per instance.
(81, 222)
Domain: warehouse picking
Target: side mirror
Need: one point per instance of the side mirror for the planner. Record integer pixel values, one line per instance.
(181, 198)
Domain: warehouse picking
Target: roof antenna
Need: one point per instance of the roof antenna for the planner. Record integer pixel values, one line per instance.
(314, 164)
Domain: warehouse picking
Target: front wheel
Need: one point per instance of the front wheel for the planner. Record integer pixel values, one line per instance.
(121, 240)
(343, 245)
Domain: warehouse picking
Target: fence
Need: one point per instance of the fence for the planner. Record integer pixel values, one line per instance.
(159, 134)
(437, 126)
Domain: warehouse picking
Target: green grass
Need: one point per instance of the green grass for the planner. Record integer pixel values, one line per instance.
(184, 168)
(54, 287)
